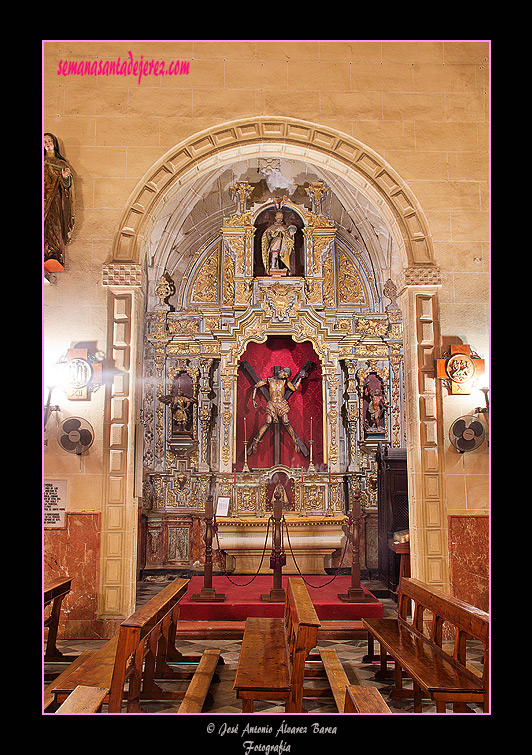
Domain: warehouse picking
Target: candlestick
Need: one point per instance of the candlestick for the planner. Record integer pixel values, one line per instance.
(311, 467)
(245, 468)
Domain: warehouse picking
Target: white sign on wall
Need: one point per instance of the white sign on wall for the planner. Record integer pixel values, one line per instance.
(55, 501)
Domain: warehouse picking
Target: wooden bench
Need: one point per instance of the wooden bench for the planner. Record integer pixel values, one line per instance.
(272, 658)
(363, 699)
(54, 592)
(420, 651)
(84, 700)
(349, 698)
(139, 654)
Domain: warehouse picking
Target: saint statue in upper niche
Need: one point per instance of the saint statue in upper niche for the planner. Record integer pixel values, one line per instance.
(58, 204)
(179, 405)
(277, 245)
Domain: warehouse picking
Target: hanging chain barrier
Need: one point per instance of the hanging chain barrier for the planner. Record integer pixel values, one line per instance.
(318, 587)
(222, 561)
(283, 522)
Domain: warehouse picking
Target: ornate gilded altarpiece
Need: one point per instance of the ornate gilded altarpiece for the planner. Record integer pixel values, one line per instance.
(329, 308)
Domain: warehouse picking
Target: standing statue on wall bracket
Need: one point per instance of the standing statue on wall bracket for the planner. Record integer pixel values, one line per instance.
(58, 205)
(277, 246)
(277, 407)
(179, 405)
(376, 407)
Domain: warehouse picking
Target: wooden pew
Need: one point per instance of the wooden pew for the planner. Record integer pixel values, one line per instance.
(437, 673)
(49, 696)
(54, 592)
(362, 699)
(140, 653)
(336, 675)
(84, 700)
(349, 698)
(272, 658)
(199, 685)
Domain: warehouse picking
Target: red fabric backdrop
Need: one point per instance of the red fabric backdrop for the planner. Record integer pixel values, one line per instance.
(305, 403)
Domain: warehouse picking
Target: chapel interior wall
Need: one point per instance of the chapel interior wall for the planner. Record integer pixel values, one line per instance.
(422, 107)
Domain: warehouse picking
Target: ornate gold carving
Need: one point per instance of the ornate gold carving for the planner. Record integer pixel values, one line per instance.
(343, 323)
(242, 291)
(372, 326)
(229, 280)
(238, 221)
(206, 284)
(226, 451)
(328, 280)
(373, 350)
(240, 193)
(313, 290)
(321, 243)
(164, 288)
(183, 326)
(313, 497)
(319, 221)
(350, 286)
(246, 499)
(183, 348)
(281, 298)
(237, 243)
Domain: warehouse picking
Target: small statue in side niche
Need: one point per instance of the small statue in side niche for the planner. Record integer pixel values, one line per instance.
(59, 210)
(179, 405)
(277, 245)
(375, 411)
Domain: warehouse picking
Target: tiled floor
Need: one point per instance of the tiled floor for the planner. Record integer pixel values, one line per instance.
(222, 698)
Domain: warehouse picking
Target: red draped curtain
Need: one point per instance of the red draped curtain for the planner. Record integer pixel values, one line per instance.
(305, 403)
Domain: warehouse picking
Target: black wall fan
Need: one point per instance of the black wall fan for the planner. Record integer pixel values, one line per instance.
(75, 435)
(467, 433)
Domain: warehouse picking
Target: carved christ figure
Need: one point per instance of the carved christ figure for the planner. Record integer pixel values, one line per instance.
(277, 407)
(277, 244)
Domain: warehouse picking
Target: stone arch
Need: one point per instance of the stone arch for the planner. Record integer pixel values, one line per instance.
(322, 145)
(167, 181)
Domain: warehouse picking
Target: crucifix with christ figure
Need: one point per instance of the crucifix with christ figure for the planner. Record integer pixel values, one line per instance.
(277, 390)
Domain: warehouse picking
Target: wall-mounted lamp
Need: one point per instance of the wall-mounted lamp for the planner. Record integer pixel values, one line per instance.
(485, 409)
(48, 408)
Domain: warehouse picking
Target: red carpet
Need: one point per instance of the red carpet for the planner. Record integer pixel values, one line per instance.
(244, 600)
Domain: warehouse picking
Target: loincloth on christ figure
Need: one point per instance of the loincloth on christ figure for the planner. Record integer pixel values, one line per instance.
(276, 409)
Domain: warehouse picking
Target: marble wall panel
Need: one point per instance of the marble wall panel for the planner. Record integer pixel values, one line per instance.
(469, 559)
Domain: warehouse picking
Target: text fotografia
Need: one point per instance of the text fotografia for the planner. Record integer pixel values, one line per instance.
(251, 746)
(123, 67)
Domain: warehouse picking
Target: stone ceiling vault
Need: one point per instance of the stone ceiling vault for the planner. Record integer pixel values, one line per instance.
(195, 214)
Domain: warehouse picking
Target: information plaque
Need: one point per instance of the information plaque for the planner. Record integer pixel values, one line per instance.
(55, 501)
